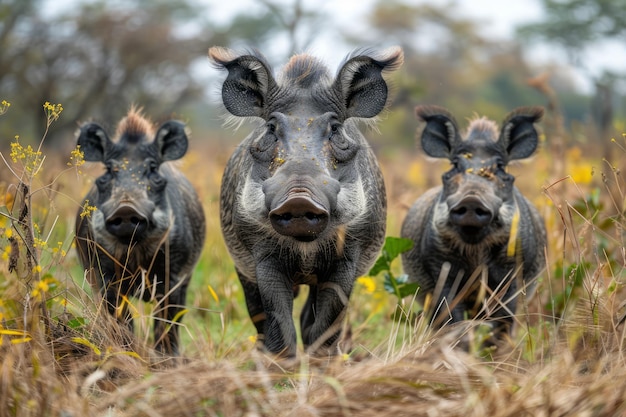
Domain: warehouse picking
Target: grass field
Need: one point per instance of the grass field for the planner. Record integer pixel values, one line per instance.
(60, 356)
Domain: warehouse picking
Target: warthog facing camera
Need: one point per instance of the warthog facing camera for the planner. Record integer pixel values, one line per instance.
(147, 231)
(479, 243)
(302, 197)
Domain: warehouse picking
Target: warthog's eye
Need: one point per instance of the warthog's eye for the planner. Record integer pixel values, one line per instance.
(157, 181)
(454, 170)
(103, 180)
(456, 164)
(342, 146)
(264, 148)
(447, 176)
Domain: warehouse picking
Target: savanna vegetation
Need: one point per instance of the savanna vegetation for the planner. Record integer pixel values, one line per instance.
(61, 355)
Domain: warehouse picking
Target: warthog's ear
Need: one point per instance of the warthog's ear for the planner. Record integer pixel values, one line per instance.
(93, 142)
(519, 136)
(171, 141)
(244, 92)
(360, 83)
(441, 134)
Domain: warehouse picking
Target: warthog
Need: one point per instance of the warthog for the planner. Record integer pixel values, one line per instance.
(302, 198)
(479, 242)
(148, 229)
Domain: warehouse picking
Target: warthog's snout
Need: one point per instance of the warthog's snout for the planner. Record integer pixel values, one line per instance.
(126, 223)
(300, 217)
(471, 212)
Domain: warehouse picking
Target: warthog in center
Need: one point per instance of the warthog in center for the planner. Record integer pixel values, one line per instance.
(479, 243)
(302, 197)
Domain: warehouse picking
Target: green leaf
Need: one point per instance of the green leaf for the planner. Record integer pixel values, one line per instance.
(394, 246)
(408, 289)
(381, 265)
(76, 322)
(402, 287)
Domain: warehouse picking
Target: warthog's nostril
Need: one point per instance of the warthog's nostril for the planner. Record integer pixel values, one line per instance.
(115, 222)
(283, 217)
(480, 212)
(312, 216)
(459, 211)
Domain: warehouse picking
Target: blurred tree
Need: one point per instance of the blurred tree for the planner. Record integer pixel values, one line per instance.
(277, 28)
(96, 59)
(575, 26)
(447, 62)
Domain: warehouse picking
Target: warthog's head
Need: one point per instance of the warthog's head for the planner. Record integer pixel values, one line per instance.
(477, 202)
(308, 154)
(130, 199)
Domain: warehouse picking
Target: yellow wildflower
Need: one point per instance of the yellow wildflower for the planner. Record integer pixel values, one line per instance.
(87, 210)
(40, 243)
(44, 285)
(4, 106)
(582, 171)
(53, 111)
(368, 283)
(27, 156)
(77, 158)
(6, 253)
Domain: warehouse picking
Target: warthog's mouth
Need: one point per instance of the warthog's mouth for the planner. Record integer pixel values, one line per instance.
(472, 234)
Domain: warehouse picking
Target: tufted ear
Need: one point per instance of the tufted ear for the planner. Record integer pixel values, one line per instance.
(171, 141)
(518, 135)
(244, 92)
(441, 134)
(93, 142)
(360, 82)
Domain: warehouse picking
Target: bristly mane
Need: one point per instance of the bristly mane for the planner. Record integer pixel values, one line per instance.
(481, 127)
(134, 126)
(305, 71)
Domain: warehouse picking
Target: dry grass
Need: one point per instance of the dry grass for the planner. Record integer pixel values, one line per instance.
(431, 378)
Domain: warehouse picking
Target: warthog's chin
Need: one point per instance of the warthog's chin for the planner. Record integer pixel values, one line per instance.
(305, 238)
(472, 235)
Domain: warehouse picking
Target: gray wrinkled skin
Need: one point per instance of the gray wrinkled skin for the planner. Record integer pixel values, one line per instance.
(147, 232)
(302, 197)
(463, 227)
